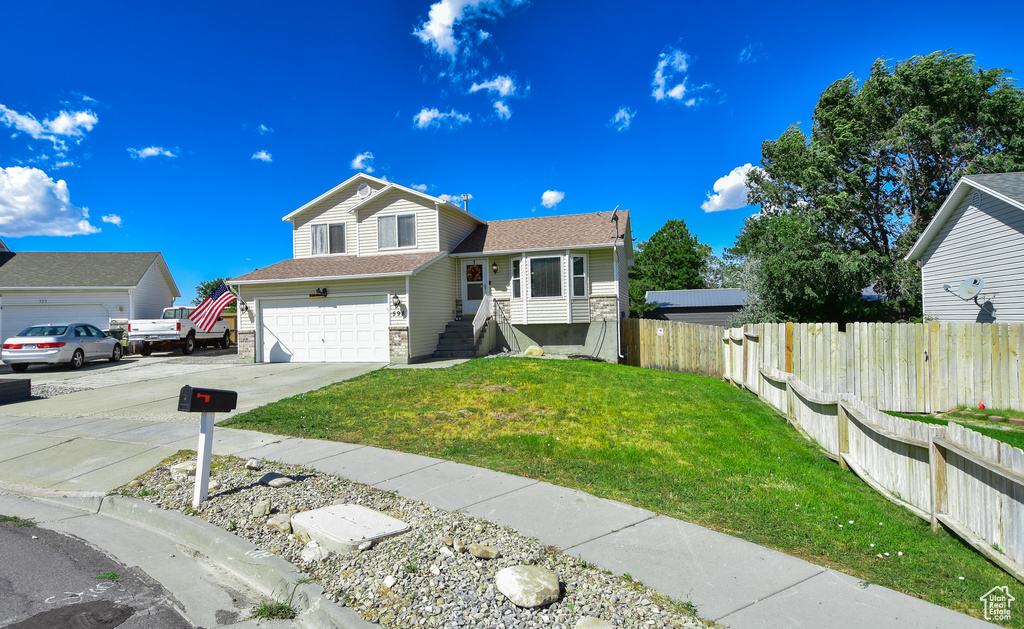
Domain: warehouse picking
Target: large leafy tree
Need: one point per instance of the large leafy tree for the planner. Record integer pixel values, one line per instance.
(881, 158)
(672, 259)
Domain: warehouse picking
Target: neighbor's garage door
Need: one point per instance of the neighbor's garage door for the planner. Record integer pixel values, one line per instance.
(14, 319)
(332, 329)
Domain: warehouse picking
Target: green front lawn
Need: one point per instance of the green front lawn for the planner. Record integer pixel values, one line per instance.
(686, 446)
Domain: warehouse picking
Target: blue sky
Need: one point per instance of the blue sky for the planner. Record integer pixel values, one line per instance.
(192, 128)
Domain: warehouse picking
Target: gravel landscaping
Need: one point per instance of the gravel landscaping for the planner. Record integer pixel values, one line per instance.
(426, 577)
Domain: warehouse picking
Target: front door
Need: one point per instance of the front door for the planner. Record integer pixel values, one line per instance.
(473, 285)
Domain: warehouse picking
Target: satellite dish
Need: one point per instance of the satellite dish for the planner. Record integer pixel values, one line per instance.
(970, 288)
(615, 215)
(364, 191)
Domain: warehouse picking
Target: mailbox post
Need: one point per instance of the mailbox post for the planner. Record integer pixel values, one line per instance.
(207, 402)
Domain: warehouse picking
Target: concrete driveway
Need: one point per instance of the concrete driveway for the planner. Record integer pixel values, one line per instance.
(146, 388)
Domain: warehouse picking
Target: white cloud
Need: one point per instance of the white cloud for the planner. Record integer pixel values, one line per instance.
(441, 31)
(551, 198)
(730, 191)
(58, 130)
(264, 129)
(671, 76)
(750, 54)
(457, 199)
(113, 219)
(434, 118)
(622, 118)
(33, 204)
(263, 156)
(364, 162)
(502, 110)
(150, 151)
(502, 85)
(422, 187)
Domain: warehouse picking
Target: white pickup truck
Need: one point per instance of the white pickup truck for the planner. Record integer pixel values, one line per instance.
(175, 330)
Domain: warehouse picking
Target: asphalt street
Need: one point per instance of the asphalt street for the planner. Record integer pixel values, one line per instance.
(49, 579)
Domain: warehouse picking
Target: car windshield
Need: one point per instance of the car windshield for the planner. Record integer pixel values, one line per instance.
(44, 330)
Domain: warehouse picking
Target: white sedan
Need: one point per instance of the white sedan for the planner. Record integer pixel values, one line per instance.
(55, 343)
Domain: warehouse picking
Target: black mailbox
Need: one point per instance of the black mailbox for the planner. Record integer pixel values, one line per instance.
(195, 400)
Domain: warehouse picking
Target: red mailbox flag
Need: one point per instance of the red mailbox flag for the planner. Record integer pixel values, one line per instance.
(205, 316)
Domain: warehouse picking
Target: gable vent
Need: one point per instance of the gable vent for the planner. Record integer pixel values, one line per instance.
(976, 199)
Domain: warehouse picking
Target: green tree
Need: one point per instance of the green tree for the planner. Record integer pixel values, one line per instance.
(881, 158)
(205, 288)
(672, 259)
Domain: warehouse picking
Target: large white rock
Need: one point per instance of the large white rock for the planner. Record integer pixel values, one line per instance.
(528, 586)
(589, 622)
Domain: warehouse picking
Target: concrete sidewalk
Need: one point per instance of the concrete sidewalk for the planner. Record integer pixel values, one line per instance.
(731, 581)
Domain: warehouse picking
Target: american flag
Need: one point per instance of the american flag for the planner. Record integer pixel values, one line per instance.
(205, 316)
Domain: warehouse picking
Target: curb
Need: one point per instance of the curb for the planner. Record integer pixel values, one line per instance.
(265, 572)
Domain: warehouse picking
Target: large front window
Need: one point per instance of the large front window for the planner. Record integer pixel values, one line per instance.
(546, 277)
(396, 231)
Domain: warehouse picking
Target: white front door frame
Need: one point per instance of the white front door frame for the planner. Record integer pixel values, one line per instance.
(478, 286)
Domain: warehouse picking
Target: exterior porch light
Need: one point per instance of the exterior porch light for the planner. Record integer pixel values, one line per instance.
(395, 301)
(494, 268)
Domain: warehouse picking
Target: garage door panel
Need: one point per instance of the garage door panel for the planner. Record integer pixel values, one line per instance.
(341, 329)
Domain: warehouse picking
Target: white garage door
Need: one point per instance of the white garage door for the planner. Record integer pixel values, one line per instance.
(14, 319)
(333, 330)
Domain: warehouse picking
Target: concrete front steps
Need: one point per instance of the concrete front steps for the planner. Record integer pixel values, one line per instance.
(457, 340)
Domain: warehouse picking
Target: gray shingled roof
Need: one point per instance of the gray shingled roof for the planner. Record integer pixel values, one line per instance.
(544, 232)
(1007, 184)
(319, 267)
(696, 298)
(28, 269)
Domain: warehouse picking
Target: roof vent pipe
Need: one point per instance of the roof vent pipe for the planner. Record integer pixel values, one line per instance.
(465, 202)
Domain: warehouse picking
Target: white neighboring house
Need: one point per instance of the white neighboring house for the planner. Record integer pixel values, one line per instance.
(978, 232)
(89, 287)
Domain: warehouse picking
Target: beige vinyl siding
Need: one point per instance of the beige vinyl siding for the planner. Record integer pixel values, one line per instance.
(455, 226)
(602, 272)
(501, 282)
(546, 311)
(431, 306)
(987, 241)
(580, 310)
(150, 297)
(250, 293)
(333, 210)
(397, 203)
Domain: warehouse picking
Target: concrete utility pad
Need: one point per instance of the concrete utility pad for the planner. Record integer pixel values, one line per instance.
(342, 528)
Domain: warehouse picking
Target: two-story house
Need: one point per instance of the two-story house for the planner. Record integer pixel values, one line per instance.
(379, 270)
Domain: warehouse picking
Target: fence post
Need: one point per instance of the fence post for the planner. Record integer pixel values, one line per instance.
(937, 465)
(844, 434)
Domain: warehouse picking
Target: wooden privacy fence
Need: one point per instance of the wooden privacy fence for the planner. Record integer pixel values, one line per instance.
(949, 475)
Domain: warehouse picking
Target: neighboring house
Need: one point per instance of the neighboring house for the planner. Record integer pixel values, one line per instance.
(712, 306)
(89, 287)
(380, 270)
(977, 233)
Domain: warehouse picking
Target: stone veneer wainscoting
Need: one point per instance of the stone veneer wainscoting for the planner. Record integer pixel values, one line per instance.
(399, 341)
(247, 347)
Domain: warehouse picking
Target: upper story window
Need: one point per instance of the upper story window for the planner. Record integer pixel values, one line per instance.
(546, 277)
(328, 238)
(579, 276)
(396, 231)
(517, 280)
